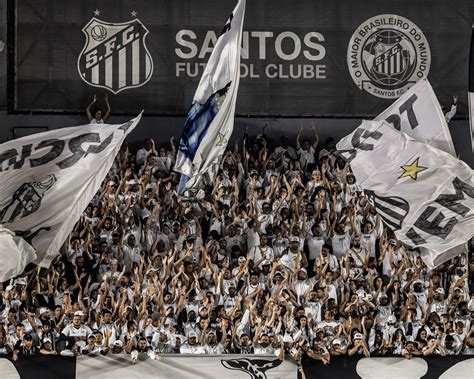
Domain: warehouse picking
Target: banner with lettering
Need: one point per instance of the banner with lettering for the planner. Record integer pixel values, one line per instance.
(425, 195)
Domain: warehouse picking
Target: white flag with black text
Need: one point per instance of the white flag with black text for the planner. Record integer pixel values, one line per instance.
(47, 180)
(210, 120)
(425, 195)
(418, 113)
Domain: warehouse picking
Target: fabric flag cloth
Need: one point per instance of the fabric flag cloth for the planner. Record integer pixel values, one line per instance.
(47, 180)
(425, 195)
(418, 113)
(470, 91)
(15, 254)
(210, 120)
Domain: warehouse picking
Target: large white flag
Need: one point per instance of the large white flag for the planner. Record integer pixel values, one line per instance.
(210, 120)
(419, 114)
(47, 180)
(425, 195)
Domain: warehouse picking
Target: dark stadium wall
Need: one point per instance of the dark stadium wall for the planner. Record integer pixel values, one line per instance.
(3, 55)
(162, 128)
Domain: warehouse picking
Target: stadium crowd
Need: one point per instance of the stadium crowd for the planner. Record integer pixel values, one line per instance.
(281, 254)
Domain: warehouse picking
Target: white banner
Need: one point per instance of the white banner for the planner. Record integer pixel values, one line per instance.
(424, 194)
(186, 367)
(47, 180)
(210, 120)
(419, 114)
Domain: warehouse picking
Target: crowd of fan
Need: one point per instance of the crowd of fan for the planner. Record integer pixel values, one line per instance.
(280, 254)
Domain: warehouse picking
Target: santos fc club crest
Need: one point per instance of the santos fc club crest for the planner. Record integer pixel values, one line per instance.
(387, 54)
(115, 55)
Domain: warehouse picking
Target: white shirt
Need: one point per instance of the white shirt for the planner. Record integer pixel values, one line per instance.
(71, 330)
(315, 245)
(306, 156)
(195, 349)
(216, 349)
(258, 252)
(313, 309)
(341, 243)
(279, 246)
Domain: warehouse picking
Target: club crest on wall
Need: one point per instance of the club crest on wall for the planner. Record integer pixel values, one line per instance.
(115, 55)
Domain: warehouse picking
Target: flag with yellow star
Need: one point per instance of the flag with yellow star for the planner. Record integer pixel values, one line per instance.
(412, 170)
(424, 194)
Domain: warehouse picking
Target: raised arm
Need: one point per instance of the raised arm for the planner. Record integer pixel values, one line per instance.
(316, 137)
(298, 138)
(88, 109)
(107, 104)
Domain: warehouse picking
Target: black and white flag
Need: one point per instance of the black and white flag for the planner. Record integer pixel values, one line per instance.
(425, 195)
(418, 113)
(47, 180)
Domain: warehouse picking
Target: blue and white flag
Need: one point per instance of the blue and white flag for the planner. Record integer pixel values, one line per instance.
(210, 119)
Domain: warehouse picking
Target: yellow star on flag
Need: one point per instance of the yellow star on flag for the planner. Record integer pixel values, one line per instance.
(412, 169)
(222, 140)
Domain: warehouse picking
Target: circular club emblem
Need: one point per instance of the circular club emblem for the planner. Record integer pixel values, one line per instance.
(387, 54)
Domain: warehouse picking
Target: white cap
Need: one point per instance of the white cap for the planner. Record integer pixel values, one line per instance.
(470, 305)
(47, 339)
(78, 313)
(9, 288)
(43, 310)
(337, 341)
(200, 194)
(192, 334)
(392, 319)
(294, 239)
(118, 343)
(461, 291)
(358, 336)
(440, 290)
(21, 281)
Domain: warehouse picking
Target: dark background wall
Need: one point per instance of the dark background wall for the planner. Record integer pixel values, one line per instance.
(161, 128)
(3, 55)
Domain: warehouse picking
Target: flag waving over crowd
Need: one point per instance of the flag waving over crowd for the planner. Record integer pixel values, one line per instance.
(424, 194)
(47, 180)
(470, 90)
(210, 120)
(418, 113)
